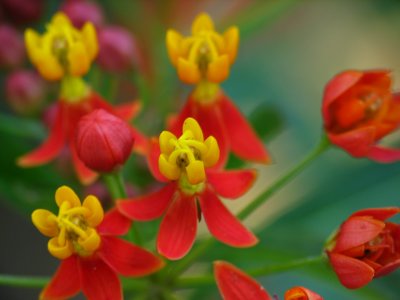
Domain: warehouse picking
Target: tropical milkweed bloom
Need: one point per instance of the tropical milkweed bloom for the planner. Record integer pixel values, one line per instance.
(91, 255)
(359, 109)
(234, 284)
(193, 190)
(366, 246)
(204, 58)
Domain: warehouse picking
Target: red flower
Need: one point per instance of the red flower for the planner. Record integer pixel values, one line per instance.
(234, 284)
(92, 257)
(193, 190)
(358, 110)
(365, 247)
(63, 132)
(103, 141)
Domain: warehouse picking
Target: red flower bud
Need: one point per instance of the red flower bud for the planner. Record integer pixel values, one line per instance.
(358, 110)
(103, 141)
(25, 91)
(12, 49)
(80, 12)
(365, 247)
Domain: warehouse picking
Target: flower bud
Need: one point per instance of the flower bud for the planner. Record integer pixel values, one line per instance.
(80, 12)
(118, 51)
(12, 50)
(25, 91)
(103, 141)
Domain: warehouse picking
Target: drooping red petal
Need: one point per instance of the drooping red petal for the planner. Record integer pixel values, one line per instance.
(222, 224)
(99, 281)
(231, 184)
(234, 284)
(150, 206)
(153, 153)
(388, 268)
(50, 148)
(384, 155)
(141, 143)
(378, 213)
(301, 293)
(351, 272)
(85, 175)
(65, 282)
(243, 140)
(114, 223)
(178, 228)
(356, 231)
(128, 259)
(128, 111)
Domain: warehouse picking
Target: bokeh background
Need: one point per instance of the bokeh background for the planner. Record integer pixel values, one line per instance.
(289, 49)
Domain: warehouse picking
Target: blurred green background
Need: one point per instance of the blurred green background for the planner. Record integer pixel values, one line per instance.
(288, 51)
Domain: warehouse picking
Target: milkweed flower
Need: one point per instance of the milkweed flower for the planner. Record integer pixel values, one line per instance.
(204, 58)
(234, 284)
(193, 190)
(359, 109)
(366, 246)
(91, 255)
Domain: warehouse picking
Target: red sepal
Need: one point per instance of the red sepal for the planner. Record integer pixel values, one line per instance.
(378, 213)
(384, 155)
(114, 223)
(128, 111)
(234, 284)
(85, 175)
(153, 153)
(301, 293)
(222, 224)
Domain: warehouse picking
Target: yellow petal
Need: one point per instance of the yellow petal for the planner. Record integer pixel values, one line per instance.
(78, 60)
(218, 70)
(92, 242)
(89, 37)
(212, 155)
(59, 251)
(49, 67)
(96, 210)
(193, 126)
(170, 171)
(173, 41)
(32, 44)
(202, 22)
(188, 72)
(65, 193)
(60, 19)
(45, 222)
(195, 172)
(231, 37)
(166, 146)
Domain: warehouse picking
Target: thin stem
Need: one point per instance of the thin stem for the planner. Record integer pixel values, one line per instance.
(23, 281)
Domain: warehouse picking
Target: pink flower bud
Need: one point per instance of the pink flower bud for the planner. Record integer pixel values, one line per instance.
(25, 91)
(103, 141)
(81, 12)
(118, 50)
(12, 49)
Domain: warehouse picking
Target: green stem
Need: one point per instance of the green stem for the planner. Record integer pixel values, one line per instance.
(206, 280)
(23, 281)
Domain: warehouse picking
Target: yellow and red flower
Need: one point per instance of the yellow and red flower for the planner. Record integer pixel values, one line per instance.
(204, 59)
(92, 256)
(193, 190)
(234, 284)
(359, 109)
(366, 246)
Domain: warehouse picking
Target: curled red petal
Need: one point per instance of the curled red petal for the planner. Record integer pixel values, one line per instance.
(65, 282)
(388, 268)
(301, 293)
(128, 259)
(114, 223)
(352, 273)
(85, 175)
(128, 111)
(243, 140)
(233, 183)
(378, 213)
(99, 281)
(224, 226)
(384, 155)
(153, 153)
(178, 228)
(150, 206)
(356, 231)
(234, 284)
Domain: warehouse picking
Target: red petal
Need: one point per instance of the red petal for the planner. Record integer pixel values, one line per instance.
(243, 140)
(114, 223)
(378, 213)
(222, 224)
(301, 293)
(389, 268)
(153, 153)
(384, 155)
(140, 144)
(128, 111)
(50, 148)
(85, 175)
(357, 231)
(234, 284)
(351, 272)
(178, 228)
(357, 142)
(99, 281)
(148, 207)
(231, 184)
(128, 259)
(65, 282)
